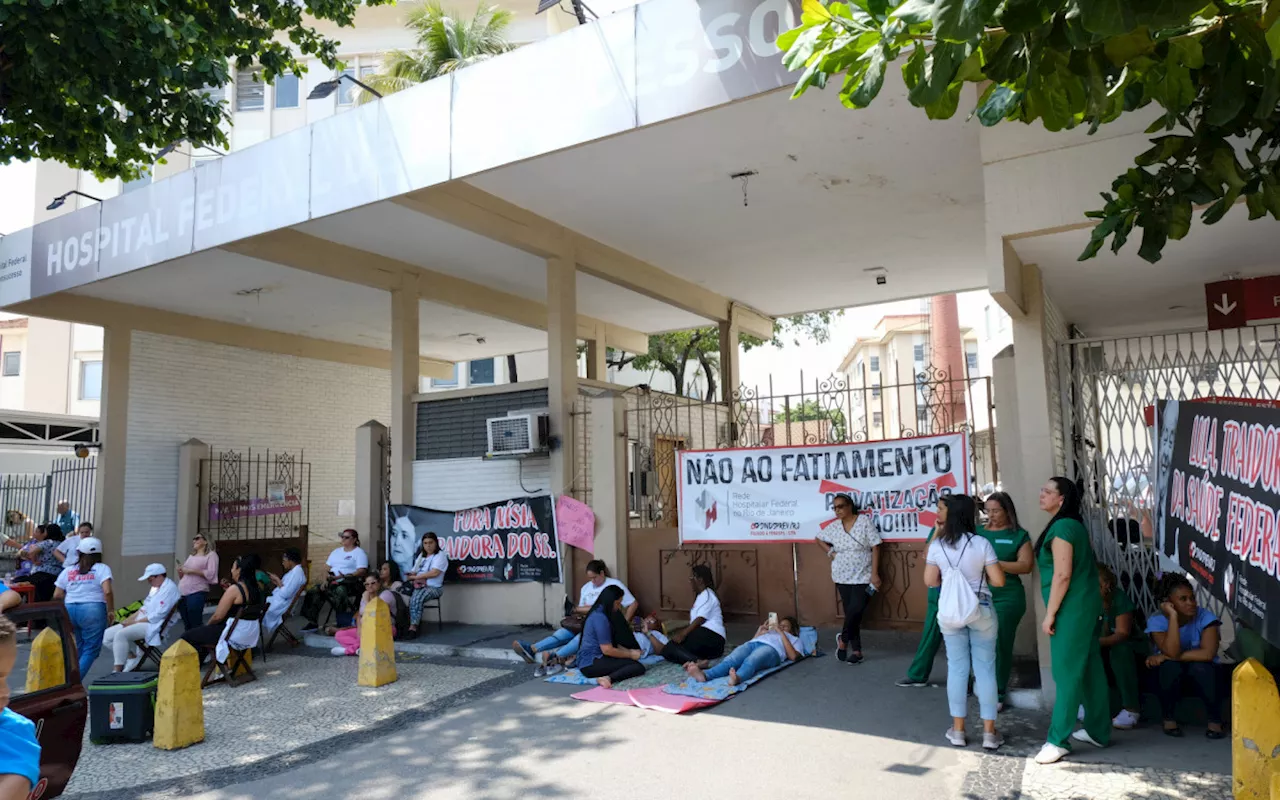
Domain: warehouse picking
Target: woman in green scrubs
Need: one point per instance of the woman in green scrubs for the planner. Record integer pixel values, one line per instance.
(1013, 547)
(1073, 623)
(931, 636)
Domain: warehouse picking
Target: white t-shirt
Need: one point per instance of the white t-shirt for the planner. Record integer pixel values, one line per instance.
(774, 640)
(646, 644)
(68, 549)
(971, 555)
(707, 606)
(85, 588)
(343, 563)
(427, 563)
(590, 592)
(157, 606)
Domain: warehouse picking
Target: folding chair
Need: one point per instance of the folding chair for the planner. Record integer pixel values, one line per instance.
(153, 654)
(237, 670)
(267, 641)
(430, 604)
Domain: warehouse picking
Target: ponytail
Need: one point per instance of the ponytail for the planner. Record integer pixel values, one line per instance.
(1070, 508)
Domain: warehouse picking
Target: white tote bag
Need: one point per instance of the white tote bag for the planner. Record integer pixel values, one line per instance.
(957, 602)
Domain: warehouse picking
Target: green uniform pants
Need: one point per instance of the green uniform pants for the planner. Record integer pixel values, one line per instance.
(1076, 658)
(1123, 661)
(930, 641)
(1009, 606)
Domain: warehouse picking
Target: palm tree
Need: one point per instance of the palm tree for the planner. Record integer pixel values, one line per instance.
(445, 43)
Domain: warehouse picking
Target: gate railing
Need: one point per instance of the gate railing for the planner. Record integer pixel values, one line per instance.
(36, 494)
(230, 479)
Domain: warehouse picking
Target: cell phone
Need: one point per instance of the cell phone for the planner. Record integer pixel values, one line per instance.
(773, 619)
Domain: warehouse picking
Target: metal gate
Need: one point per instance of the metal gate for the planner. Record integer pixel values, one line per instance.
(1108, 406)
(36, 495)
(839, 408)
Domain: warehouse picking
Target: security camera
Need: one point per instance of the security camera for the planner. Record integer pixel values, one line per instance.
(881, 280)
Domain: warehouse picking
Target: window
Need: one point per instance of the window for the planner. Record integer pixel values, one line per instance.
(90, 380)
(214, 93)
(875, 390)
(346, 89)
(877, 419)
(250, 93)
(446, 382)
(135, 185)
(917, 353)
(12, 364)
(857, 367)
(875, 363)
(480, 373)
(286, 87)
(971, 360)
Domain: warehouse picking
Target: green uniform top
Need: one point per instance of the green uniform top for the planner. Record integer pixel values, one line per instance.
(1083, 601)
(1007, 543)
(1120, 604)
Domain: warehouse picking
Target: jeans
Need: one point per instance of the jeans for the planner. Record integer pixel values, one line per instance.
(747, 659)
(853, 598)
(564, 641)
(192, 610)
(89, 620)
(973, 645)
(1201, 677)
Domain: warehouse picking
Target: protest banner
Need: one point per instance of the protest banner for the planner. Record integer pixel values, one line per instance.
(784, 494)
(510, 541)
(1218, 479)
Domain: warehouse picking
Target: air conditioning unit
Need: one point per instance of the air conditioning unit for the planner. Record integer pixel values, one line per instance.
(518, 434)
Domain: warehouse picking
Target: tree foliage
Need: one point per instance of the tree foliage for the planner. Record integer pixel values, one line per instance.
(1210, 68)
(810, 411)
(101, 85)
(674, 352)
(446, 43)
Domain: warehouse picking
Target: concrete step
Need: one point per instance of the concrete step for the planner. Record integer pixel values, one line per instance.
(429, 648)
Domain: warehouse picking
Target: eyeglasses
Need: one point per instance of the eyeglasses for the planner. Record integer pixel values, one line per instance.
(345, 537)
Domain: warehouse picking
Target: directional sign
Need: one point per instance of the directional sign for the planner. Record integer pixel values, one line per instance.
(1235, 303)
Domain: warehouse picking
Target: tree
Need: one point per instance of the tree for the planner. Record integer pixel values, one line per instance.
(445, 44)
(673, 352)
(810, 411)
(1211, 68)
(103, 85)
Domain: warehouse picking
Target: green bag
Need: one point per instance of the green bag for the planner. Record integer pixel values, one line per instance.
(123, 612)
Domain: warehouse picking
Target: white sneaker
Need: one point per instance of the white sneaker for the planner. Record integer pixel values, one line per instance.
(132, 663)
(1081, 735)
(338, 651)
(1080, 714)
(957, 738)
(991, 741)
(1051, 753)
(1125, 720)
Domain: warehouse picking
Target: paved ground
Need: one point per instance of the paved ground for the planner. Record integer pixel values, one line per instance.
(821, 728)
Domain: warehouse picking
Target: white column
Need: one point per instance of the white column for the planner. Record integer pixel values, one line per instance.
(730, 379)
(404, 384)
(609, 480)
(562, 364)
(190, 454)
(113, 425)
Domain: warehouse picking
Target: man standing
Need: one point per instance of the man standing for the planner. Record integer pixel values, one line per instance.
(67, 519)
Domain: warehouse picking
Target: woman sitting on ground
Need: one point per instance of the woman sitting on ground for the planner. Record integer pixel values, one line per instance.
(557, 650)
(704, 636)
(1187, 657)
(1120, 647)
(609, 652)
(348, 639)
(764, 652)
(243, 590)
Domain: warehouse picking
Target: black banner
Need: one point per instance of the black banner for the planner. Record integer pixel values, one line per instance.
(506, 542)
(1219, 484)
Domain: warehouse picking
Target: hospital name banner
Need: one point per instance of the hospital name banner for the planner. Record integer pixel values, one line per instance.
(784, 494)
(511, 541)
(1219, 503)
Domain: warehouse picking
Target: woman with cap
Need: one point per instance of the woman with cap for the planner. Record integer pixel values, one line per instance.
(145, 624)
(86, 590)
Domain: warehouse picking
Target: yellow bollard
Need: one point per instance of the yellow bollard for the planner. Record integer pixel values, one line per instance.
(179, 703)
(1255, 732)
(1275, 786)
(377, 651)
(46, 667)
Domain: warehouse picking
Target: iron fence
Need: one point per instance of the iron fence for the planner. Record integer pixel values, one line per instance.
(36, 495)
(254, 495)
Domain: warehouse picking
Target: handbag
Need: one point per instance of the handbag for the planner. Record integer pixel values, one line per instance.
(573, 624)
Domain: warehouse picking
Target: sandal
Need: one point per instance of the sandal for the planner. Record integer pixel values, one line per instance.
(1210, 733)
(1175, 732)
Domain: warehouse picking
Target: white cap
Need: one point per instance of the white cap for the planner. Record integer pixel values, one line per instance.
(152, 571)
(90, 544)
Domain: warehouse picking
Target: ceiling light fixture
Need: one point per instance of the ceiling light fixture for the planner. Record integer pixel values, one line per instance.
(743, 176)
(254, 292)
(325, 88)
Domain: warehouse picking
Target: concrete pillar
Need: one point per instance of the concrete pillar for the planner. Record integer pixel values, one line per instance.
(597, 364)
(190, 454)
(404, 384)
(562, 368)
(370, 513)
(609, 480)
(113, 423)
(730, 377)
(1004, 382)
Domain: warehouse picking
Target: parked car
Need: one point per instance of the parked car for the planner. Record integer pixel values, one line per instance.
(59, 712)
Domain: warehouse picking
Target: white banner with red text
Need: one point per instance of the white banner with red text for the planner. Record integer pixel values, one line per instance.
(784, 494)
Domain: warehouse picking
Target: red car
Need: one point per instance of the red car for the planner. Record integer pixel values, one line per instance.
(59, 712)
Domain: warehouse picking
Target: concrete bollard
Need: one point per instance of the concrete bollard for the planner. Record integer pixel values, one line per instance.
(377, 650)
(1255, 732)
(179, 702)
(46, 667)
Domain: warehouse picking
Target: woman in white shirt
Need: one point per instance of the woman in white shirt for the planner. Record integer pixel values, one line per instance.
(957, 552)
(426, 577)
(348, 565)
(286, 589)
(764, 652)
(147, 623)
(853, 545)
(86, 592)
(704, 636)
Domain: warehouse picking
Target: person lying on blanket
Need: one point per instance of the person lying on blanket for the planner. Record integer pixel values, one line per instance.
(764, 652)
(609, 651)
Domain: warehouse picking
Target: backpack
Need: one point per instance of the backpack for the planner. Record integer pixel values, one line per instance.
(957, 602)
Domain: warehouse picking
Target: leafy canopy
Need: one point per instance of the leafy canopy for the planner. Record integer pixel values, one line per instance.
(1211, 69)
(446, 43)
(101, 85)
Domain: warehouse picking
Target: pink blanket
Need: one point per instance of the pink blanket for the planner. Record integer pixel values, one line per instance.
(652, 699)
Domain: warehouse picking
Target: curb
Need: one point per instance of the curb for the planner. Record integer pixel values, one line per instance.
(427, 649)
